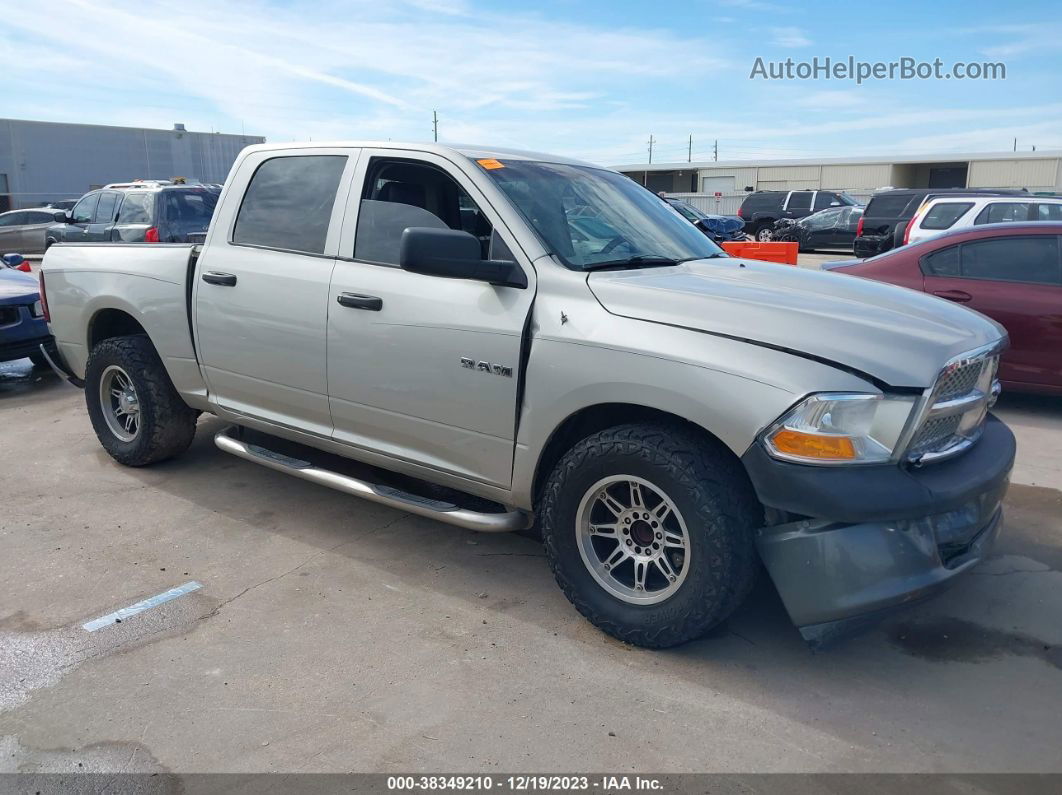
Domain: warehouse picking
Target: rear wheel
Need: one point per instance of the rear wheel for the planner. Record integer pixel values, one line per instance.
(649, 531)
(135, 410)
(765, 232)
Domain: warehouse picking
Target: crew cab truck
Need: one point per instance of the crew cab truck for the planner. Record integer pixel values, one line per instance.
(508, 338)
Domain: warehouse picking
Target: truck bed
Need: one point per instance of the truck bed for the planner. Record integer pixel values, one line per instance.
(90, 285)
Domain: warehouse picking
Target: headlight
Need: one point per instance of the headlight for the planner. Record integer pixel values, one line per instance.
(840, 429)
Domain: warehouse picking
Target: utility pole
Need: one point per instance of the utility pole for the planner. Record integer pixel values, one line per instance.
(651, 142)
(715, 150)
(435, 126)
(689, 153)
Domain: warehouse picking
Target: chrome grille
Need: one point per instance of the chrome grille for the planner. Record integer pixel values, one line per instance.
(960, 381)
(955, 410)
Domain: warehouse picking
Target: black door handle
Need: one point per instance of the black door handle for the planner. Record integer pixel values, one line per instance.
(220, 279)
(356, 301)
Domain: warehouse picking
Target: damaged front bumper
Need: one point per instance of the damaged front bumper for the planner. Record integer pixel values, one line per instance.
(904, 536)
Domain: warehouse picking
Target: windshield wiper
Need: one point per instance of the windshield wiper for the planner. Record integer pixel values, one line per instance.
(638, 261)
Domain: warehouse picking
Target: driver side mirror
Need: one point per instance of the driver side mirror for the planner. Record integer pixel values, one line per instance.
(454, 254)
(60, 216)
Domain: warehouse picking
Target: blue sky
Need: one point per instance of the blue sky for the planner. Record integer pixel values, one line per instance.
(578, 77)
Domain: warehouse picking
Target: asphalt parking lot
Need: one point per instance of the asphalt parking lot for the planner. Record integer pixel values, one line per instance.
(335, 635)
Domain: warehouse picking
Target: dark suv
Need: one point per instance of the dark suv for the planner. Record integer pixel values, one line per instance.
(762, 209)
(887, 214)
(140, 213)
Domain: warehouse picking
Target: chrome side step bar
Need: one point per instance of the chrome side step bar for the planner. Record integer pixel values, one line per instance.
(422, 506)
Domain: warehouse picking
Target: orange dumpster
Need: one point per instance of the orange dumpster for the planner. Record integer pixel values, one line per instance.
(784, 253)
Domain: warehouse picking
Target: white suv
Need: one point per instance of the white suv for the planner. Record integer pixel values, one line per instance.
(955, 212)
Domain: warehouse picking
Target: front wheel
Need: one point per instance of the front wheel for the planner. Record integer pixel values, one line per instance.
(649, 532)
(135, 410)
(765, 233)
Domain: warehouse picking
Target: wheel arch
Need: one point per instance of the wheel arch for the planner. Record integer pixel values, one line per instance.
(112, 322)
(591, 419)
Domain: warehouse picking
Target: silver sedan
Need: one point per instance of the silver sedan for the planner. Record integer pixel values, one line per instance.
(22, 231)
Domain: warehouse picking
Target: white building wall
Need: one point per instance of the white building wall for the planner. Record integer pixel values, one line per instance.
(1031, 174)
(855, 176)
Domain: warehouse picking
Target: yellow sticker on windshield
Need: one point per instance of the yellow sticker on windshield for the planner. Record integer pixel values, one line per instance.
(490, 163)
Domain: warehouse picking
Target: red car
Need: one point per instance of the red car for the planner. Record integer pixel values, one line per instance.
(1011, 272)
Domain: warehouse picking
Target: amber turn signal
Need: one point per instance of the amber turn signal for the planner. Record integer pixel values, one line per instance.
(810, 445)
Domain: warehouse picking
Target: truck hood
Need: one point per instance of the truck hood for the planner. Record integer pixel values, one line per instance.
(896, 335)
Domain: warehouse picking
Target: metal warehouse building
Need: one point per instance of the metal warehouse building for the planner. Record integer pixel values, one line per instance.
(46, 161)
(718, 185)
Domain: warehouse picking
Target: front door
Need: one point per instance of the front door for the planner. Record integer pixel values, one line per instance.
(82, 216)
(422, 368)
(261, 289)
(1016, 281)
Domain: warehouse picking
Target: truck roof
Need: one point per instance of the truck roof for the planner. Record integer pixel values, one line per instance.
(471, 151)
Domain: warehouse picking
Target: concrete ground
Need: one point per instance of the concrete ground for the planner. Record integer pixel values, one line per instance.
(331, 634)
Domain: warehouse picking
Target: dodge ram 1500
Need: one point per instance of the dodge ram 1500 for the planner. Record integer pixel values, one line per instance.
(507, 338)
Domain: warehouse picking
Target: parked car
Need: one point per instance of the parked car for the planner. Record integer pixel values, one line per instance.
(888, 212)
(22, 325)
(1011, 272)
(664, 413)
(832, 228)
(941, 214)
(146, 212)
(25, 230)
(720, 228)
(760, 210)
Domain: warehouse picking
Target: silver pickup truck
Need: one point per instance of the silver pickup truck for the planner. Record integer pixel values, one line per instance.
(501, 339)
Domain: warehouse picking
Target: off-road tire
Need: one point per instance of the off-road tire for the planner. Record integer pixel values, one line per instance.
(721, 514)
(167, 424)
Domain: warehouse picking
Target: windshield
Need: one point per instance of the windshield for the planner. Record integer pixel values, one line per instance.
(589, 217)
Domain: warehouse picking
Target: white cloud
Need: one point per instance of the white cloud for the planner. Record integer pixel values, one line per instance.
(313, 68)
(1016, 40)
(789, 37)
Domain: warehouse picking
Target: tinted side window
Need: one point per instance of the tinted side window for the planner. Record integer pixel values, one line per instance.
(799, 200)
(1049, 212)
(105, 209)
(763, 201)
(943, 215)
(12, 219)
(943, 262)
(1034, 260)
(824, 199)
(288, 203)
(1001, 212)
(85, 209)
(399, 194)
(887, 206)
(39, 218)
(136, 208)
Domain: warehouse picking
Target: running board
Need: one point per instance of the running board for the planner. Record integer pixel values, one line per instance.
(385, 495)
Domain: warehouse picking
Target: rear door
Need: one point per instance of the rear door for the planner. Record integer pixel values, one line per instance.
(261, 287)
(799, 204)
(421, 368)
(103, 221)
(36, 223)
(1016, 281)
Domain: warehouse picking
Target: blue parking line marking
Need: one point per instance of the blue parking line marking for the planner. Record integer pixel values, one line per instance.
(152, 601)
